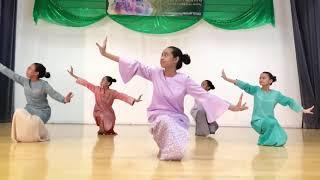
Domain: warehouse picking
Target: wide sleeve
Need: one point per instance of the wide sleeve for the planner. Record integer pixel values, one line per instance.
(124, 97)
(286, 101)
(213, 105)
(250, 89)
(129, 68)
(86, 84)
(53, 93)
(12, 75)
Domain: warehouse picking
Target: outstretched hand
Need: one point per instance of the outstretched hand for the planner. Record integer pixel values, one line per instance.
(102, 48)
(223, 75)
(139, 99)
(239, 106)
(71, 71)
(68, 97)
(309, 110)
(103, 51)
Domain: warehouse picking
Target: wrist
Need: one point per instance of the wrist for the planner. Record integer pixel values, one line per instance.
(65, 100)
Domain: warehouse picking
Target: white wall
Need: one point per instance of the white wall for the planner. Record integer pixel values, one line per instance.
(243, 54)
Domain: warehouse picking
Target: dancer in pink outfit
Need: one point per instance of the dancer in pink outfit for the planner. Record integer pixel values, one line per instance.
(169, 124)
(103, 112)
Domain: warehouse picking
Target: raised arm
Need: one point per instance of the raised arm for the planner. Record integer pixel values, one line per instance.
(81, 81)
(103, 52)
(127, 67)
(224, 76)
(72, 73)
(12, 75)
(248, 88)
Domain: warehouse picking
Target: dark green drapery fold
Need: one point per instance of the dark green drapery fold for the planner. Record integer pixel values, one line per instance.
(244, 15)
(225, 14)
(74, 13)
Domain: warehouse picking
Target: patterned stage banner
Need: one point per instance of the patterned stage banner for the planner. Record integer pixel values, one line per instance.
(155, 7)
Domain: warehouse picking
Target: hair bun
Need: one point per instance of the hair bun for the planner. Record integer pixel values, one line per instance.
(114, 80)
(271, 76)
(274, 78)
(47, 75)
(186, 59)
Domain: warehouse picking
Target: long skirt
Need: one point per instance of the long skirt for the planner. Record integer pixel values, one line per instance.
(28, 128)
(106, 119)
(203, 128)
(270, 131)
(171, 137)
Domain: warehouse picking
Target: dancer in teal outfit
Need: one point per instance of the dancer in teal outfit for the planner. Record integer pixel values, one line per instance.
(265, 100)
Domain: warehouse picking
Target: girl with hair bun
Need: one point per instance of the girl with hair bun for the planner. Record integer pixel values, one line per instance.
(169, 124)
(203, 128)
(265, 100)
(28, 123)
(103, 112)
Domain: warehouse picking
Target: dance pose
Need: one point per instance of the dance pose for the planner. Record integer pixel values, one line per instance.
(265, 100)
(169, 124)
(28, 123)
(203, 128)
(103, 112)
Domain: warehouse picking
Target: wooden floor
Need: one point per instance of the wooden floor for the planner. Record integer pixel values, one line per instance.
(76, 153)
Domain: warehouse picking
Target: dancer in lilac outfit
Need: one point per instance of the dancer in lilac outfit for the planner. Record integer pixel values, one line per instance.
(169, 124)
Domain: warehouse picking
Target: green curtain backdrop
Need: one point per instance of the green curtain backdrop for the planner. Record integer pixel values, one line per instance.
(238, 14)
(74, 13)
(225, 14)
(156, 24)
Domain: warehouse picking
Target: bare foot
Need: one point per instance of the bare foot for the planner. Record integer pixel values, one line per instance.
(111, 132)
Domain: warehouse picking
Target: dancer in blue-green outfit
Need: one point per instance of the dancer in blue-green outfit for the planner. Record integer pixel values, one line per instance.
(265, 100)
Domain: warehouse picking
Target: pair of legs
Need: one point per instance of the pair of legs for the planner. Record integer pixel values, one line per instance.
(203, 128)
(105, 123)
(271, 133)
(28, 128)
(171, 137)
